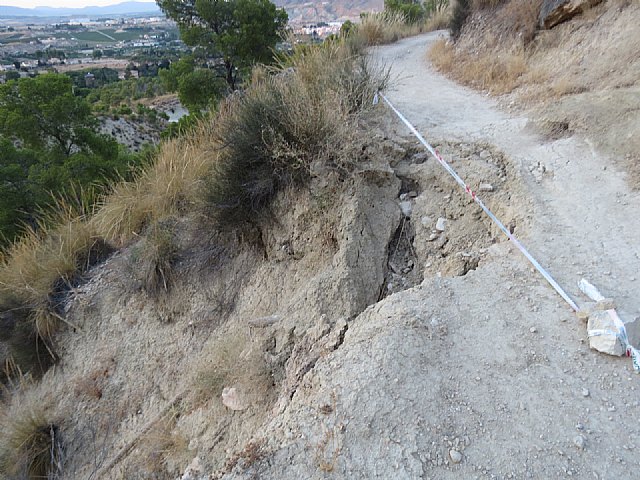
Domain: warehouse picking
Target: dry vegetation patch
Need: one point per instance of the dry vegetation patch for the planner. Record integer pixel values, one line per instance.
(30, 445)
(491, 59)
(388, 27)
(293, 123)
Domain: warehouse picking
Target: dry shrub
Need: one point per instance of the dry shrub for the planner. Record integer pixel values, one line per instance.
(496, 74)
(154, 257)
(30, 445)
(460, 13)
(388, 27)
(298, 117)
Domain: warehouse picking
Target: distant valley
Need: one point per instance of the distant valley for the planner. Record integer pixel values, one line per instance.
(300, 11)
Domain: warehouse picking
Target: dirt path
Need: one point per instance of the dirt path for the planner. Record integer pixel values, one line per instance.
(479, 370)
(585, 216)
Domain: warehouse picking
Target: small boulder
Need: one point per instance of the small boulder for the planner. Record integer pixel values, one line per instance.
(455, 455)
(554, 12)
(406, 208)
(232, 399)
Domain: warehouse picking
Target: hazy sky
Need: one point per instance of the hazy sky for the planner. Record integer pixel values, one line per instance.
(61, 3)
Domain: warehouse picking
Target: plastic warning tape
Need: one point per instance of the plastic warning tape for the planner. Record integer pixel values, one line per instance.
(621, 330)
(481, 204)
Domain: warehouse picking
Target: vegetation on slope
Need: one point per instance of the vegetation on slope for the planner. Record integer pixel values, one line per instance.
(401, 19)
(291, 119)
(291, 123)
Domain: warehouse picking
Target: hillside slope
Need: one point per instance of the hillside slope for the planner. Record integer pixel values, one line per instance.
(370, 325)
(305, 11)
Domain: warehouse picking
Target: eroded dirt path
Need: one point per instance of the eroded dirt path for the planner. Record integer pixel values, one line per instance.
(585, 219)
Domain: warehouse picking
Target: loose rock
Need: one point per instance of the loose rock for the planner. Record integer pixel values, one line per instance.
(441, 224)
(406, 208)
(456, 456)
(485, 187)
(231, 398)
(579, 442)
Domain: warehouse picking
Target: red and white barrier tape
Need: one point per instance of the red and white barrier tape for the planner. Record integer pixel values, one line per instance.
(621, 333)
(481, 204)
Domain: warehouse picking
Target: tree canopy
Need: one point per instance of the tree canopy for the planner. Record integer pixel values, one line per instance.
(240, 32)
(197, 87)
(43, 112)
(48, 146)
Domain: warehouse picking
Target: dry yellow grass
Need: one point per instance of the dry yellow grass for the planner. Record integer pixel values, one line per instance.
(29, 444)
(438, 21)
(497, 73)
(493, 59)
(172, 183)
(44, 262)
(385, 27)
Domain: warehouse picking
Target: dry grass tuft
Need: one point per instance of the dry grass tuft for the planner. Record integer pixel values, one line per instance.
(39, 268)
(388, 27)
(153, 258)
(495, 61)
(438, 20)
(30, 445)
(169, 186)
(497, 74)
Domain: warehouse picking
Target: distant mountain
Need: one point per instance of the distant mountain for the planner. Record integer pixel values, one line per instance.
(300, 11)
(124, 8)
(303, 11)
